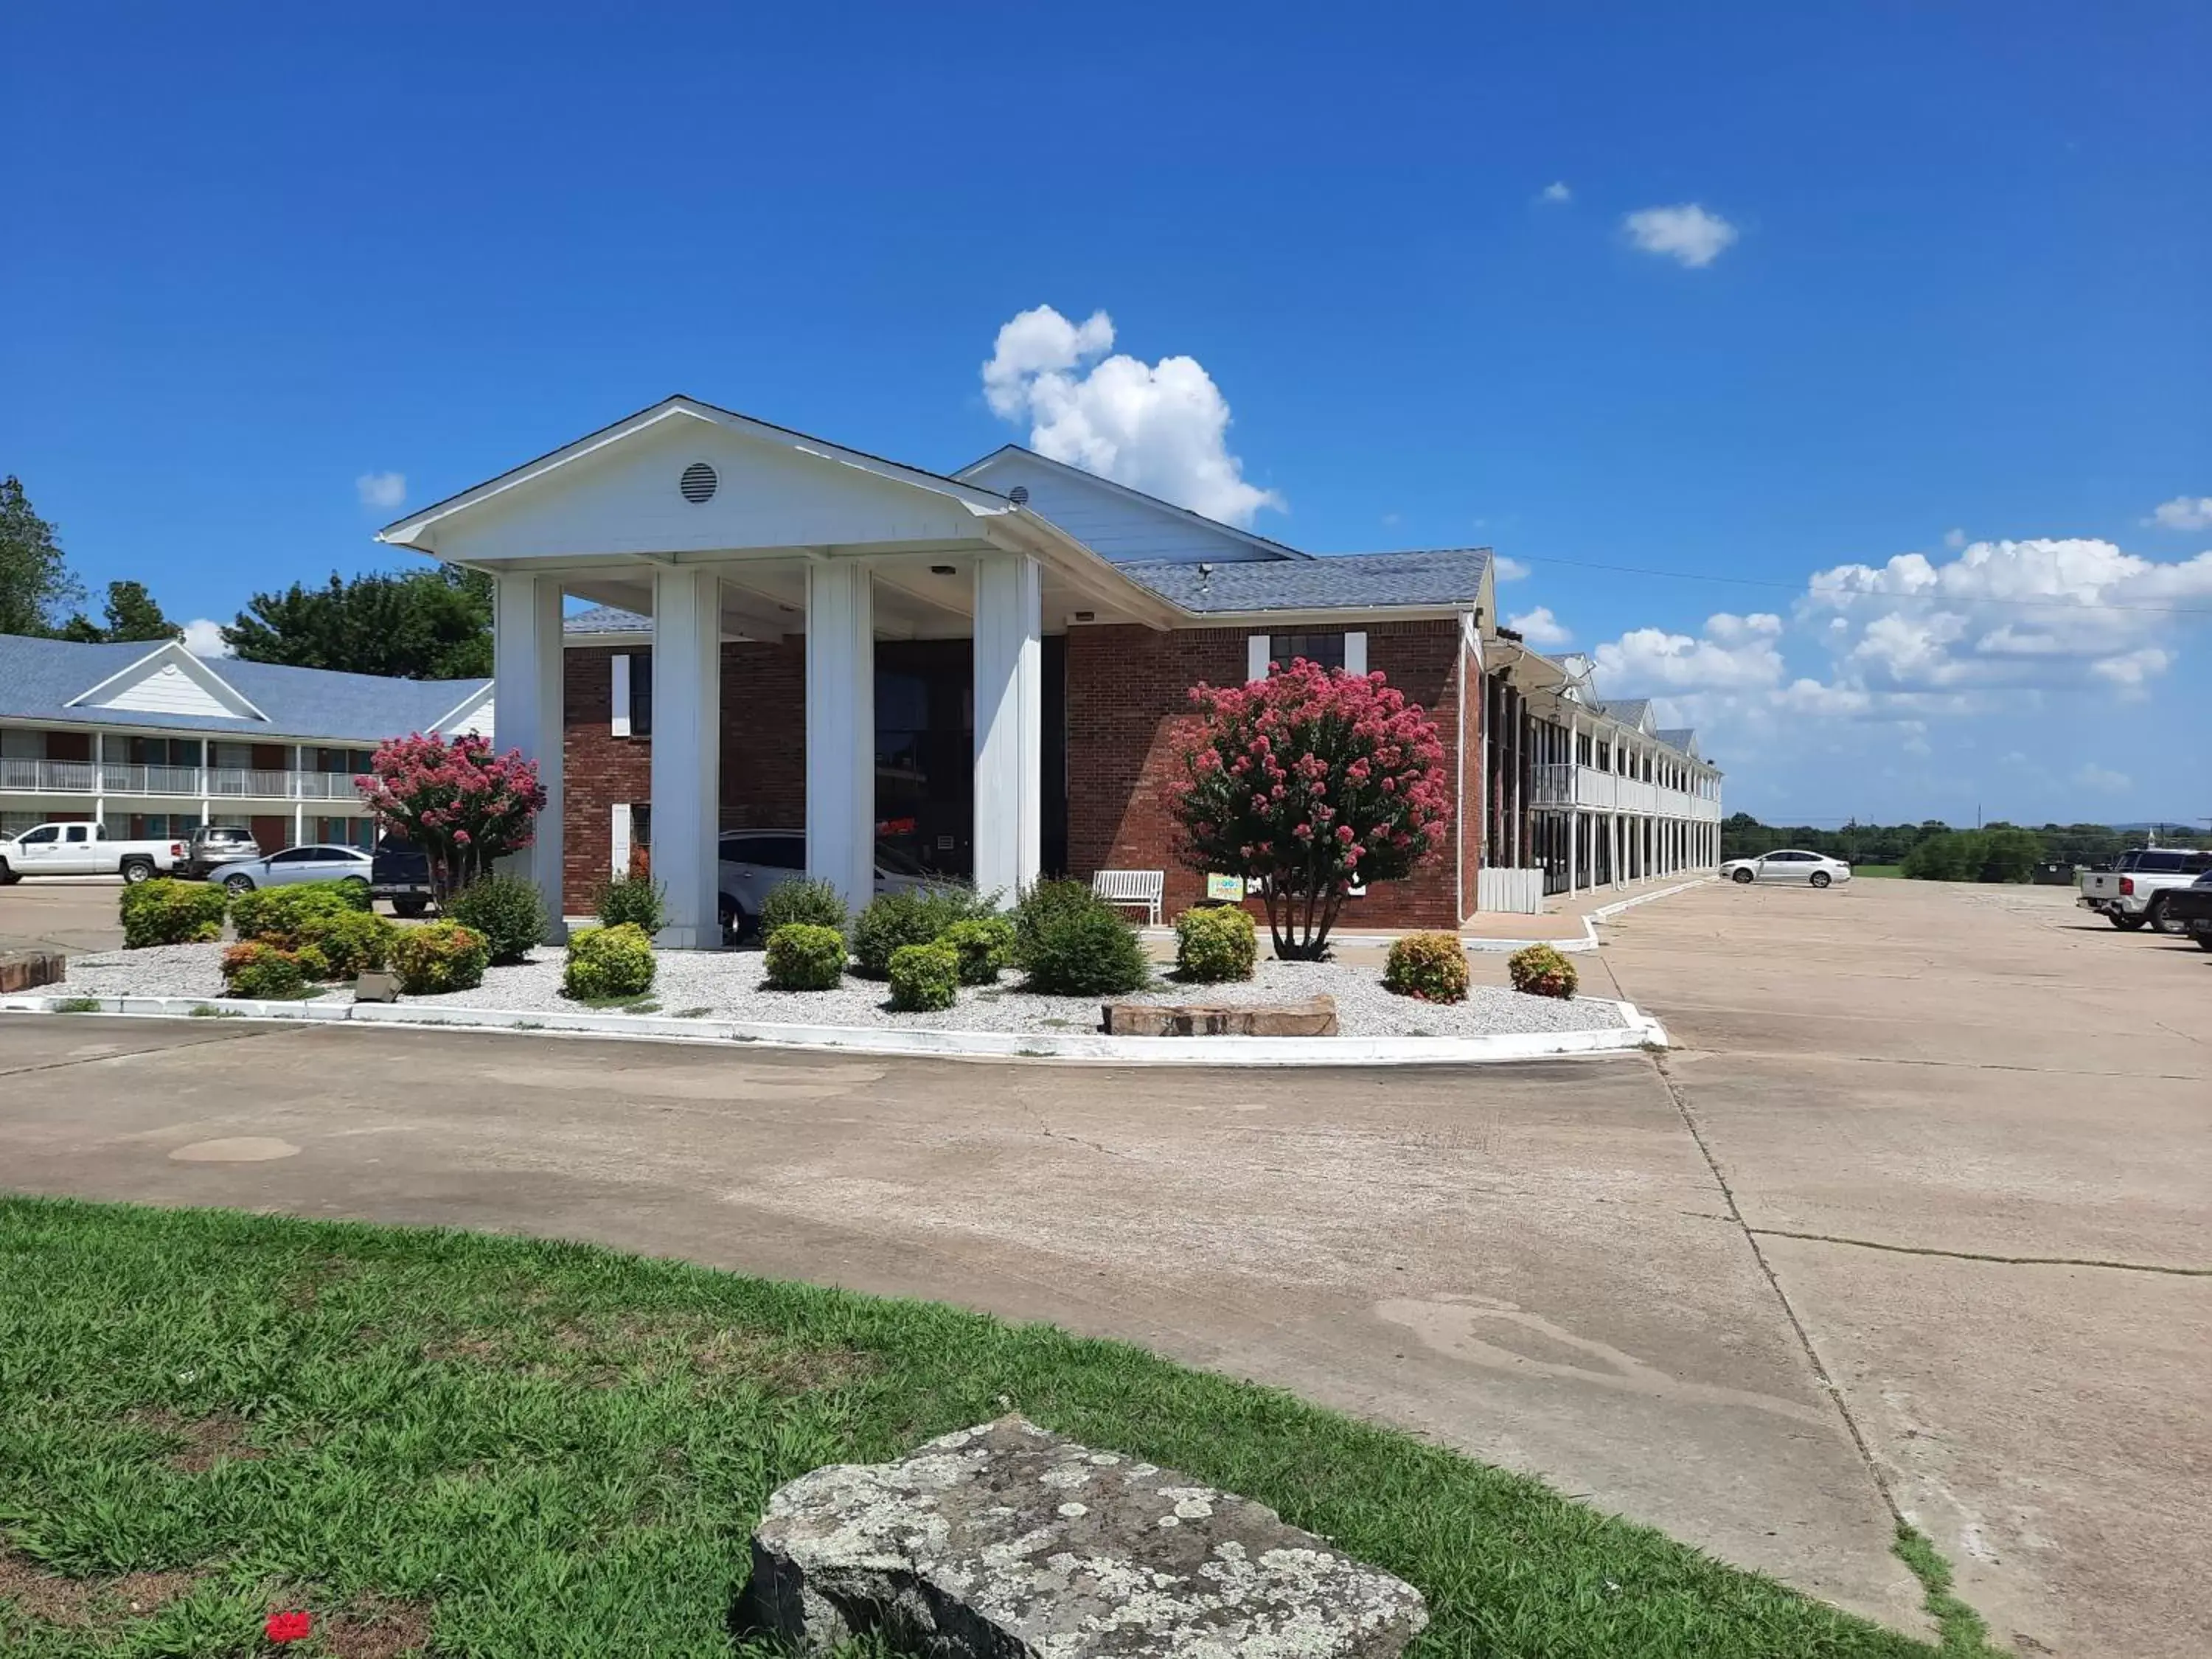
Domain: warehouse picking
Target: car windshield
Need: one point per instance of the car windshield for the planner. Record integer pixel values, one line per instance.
(893, 861)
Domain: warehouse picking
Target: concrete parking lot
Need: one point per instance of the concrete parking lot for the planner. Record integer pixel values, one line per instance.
(1916, 1216)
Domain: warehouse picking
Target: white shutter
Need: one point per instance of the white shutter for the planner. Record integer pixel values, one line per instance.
(1257, 649)
(1355, 653)
(621, 701)
(620, 860)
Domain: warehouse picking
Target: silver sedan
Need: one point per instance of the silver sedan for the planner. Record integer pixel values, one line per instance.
(296, 864)
(1788, 864)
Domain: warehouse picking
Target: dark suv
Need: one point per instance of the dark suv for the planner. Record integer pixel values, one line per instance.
(213, 845)
(400, 871)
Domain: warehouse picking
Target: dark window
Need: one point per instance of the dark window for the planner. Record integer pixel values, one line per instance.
(42, 837)
(297, 855)
(773, 851)
(1324, 650)
(641, 694)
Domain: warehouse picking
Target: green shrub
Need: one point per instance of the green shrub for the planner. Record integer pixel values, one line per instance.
(805, 957)
(1541, 971)
(799, 900)
(636, 902)
(165, 912)
(280, 916)
(925, 977)
(1216, 943)
(908, 918)
(253, 970)
(313, 964)
(439, 955)
(984, 945)
(608, 961)
(1087, 952)
(1428, 968)
(1043, 903)
(348, 942)
(508, 911)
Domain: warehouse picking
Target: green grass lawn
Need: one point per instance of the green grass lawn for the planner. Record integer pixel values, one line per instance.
(1893, 872)
(462, 1444)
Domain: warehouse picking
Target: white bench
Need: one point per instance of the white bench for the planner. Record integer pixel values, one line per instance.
(1143, 887)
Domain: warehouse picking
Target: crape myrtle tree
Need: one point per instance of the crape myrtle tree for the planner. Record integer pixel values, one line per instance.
(463, 804)
(1308, 782)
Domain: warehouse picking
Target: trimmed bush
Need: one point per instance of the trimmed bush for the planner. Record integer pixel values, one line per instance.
(1542, 972)
(1428, 968)
(165, 912)
(439, 955)
(984, 944)
(1217, 944)
(908, 918)
(803, 955)
(925, 977)
(252, 970)
(1087, 953)
(636, 902)
(1039, 907)
(347, 943)
(280, 916)
(801, 901)
(608, 961)
(313, 964)
(508, 911)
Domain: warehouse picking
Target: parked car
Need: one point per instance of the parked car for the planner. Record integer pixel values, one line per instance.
(297, 864)
(2189, 910)
(214, 845)
(752, 861)
(1788, 864)
(84, 849)
(2136, 889)
(400, 871)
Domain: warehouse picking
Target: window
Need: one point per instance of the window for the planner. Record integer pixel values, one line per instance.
(45, 835)
(77, 833)
(297, 855)
(1324, 650)
(641, 694)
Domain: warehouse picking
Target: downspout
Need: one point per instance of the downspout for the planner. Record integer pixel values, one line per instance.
(1470, 647)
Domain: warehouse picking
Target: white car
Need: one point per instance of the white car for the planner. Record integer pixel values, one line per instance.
(295, 865)
(752, 861)
(1788, 864)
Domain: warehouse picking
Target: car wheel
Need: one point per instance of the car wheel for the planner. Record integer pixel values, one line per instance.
(734, 919)
(2203, 937)
(2125, 923)
(137, 869)
(1821, 878)
(1741, 876)
(354, 883)
(8, 877)
(2155, 914)
(234, 886)
(409, 908)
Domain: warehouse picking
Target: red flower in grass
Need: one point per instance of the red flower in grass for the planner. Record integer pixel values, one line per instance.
(289, 1626)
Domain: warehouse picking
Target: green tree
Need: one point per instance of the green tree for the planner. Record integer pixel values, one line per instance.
(2008, 854)
(35, 584)
(131, 615)
(416, 624)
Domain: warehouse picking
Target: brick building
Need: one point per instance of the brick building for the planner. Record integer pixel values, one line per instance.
(974, 673)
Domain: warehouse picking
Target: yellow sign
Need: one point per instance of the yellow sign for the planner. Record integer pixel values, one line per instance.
(1226, 887)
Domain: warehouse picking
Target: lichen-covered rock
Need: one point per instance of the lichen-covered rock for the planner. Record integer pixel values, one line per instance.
(1007, 1542)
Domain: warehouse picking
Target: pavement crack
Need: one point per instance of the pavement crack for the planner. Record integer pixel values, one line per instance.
(133, 1053)
(1051, 1134)
(1982, 1255)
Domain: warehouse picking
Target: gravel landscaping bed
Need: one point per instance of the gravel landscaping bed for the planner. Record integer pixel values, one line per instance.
(727, 985)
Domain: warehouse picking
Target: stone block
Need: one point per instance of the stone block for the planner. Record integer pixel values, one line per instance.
(1314, 1016)
(1007, 1542)
(26, 971)
(372, 986)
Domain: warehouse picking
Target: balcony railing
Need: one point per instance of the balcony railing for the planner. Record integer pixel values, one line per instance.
(50, 777)
(1558, 785)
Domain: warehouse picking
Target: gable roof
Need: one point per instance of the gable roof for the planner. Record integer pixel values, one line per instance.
(45, 680)
(1679, 737)
(1629, 711)
(607, 619)
(1273, 550)
(1438, 579)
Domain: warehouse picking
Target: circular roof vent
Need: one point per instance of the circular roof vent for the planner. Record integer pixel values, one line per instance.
(1019, 494)
(698, 483)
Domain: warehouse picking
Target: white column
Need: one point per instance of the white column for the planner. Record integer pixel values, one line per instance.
(526, 714)
(300, 766)
(1009, 724)
(841, 728)
(687, 754)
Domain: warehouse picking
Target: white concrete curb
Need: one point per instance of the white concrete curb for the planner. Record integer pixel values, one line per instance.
(1641, 1032)
(1603, 913)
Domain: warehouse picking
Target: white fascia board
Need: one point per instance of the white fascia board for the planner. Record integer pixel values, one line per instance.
(193, 667)
(1026, 532)
(465, 708)
(1345, 617)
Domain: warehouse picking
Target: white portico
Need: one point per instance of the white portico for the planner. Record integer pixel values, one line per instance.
(721, 528)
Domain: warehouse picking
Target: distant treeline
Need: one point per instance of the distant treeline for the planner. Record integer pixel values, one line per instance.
(1934, 851)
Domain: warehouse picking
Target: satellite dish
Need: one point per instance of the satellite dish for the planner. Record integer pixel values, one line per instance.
(1581, 672)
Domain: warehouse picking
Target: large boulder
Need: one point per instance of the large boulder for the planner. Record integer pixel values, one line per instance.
(1011, 1542)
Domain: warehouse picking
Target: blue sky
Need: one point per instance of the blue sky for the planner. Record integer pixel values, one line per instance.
(1948, 277)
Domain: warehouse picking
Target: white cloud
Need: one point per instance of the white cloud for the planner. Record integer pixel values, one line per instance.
(1162, 427)
(383, 490)
(1685, 232)
(1507, 570)
(2102, 780)
(1734, 653)
(2183, 513)
(1557, 191)
(2131, 669)
(1541, 628)
(204, 638)
(1955, 539)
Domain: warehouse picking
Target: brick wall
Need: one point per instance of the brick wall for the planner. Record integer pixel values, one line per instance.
(1126, 684)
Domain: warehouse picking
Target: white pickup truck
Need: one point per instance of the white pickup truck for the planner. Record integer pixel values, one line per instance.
(84, 849)
(2133, 891)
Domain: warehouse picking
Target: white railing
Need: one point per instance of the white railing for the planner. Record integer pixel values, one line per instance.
(1558, 785)
(49, 777)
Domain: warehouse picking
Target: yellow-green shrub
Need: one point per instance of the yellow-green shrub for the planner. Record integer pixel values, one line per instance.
(803, 956)
(1541, 971)
(1428, 968)
(438, 956)
(608, 962)
(165, 912)
(925, 977)
(1216, 943)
